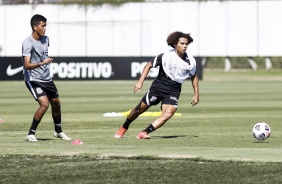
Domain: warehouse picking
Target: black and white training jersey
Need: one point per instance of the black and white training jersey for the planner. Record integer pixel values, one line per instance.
(173, 71)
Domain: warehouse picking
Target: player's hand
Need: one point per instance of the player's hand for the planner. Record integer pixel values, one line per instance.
(47, 60)
(195, 100)
(137, 87)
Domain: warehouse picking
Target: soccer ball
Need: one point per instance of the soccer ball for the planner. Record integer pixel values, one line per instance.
(261, 131)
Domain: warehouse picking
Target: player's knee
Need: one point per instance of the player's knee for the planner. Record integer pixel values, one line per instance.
(44, 105)
(56, 103)
(167, 114)
(137, 111)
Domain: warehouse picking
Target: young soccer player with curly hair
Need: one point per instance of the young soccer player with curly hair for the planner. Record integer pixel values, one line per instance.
(175, 66)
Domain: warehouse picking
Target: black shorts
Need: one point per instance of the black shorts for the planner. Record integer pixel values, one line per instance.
(39, 89)
(154, 98)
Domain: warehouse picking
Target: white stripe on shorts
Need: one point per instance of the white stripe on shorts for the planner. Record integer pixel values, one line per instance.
(32, 91)
(147, 98)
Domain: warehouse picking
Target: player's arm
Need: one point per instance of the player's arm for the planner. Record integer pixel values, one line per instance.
(146, 69)
(29, 66)
(195, 84)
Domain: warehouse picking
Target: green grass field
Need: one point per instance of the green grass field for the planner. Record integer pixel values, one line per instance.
(209, 143)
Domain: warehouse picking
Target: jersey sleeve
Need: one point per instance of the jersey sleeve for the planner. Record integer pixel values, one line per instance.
(26, 49)
(157, 61)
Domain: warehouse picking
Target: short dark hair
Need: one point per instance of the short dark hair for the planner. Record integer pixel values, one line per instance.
(173, 38)
(35, 19)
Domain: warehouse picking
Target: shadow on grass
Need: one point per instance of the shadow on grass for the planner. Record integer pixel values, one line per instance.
(261, 142)
(172, 136)
(42, 139)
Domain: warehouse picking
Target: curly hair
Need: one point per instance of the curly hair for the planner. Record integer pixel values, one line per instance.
(173, 38)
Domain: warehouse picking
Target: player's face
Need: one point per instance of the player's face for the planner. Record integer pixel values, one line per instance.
(181, 46)
(40, 28)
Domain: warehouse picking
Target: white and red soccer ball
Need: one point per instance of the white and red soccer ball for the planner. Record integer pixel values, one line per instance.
(261, 131)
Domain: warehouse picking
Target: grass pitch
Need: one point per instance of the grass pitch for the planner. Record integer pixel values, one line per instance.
(211, 142)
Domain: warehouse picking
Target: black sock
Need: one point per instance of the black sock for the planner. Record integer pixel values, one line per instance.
(57, 123)
(150, 129)
(33, 127)
(126, 123)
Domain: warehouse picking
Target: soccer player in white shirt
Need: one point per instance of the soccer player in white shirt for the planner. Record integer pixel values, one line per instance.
(175, 66)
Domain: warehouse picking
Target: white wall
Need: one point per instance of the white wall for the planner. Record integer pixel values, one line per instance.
(232, 28)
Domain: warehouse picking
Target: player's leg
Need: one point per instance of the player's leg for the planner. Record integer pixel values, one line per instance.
(43, 107)
(40, 96)
(167, 112)
(149, 99)
(134, 113)
(53, 95)
(56, 114)
(169, 107)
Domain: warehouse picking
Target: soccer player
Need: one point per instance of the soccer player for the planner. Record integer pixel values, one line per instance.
(36, 68)
(175, 66)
